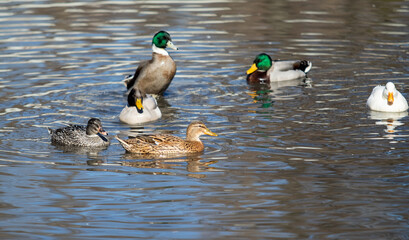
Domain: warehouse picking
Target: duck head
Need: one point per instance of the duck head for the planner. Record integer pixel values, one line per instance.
(262, 62)
(135, 99)
(94, 127)
(162, 40)
(390, 92)
(196, 129)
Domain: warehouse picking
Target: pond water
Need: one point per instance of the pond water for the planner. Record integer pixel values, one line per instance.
(299, 160)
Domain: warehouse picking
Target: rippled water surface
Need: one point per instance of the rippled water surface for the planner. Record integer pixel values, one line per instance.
(298, 160)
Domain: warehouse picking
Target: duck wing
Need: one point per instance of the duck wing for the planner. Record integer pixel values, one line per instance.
(130, 82)
(70, 130)
(153, 144)
(156, 139)
(156, 75)
(302, 65)
(69, 135)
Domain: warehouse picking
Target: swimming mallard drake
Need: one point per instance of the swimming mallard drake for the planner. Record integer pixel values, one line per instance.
(165, 144)
(154, 76)
(264, 69)
(80, 136)
(141, 108)
(387, 99)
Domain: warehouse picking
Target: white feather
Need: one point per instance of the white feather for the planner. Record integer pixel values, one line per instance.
(151, 112)
(161, 51)
(283, 71)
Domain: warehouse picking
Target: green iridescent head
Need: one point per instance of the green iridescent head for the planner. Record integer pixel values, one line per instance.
(162, 40)
(262, 62)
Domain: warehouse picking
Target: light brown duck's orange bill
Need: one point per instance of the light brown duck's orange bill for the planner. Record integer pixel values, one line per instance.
(139, 105)
(252, 69)
(390, 98)
(210, 133)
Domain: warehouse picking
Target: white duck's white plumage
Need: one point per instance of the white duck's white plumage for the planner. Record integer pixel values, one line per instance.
(387, 99)
(133, 113)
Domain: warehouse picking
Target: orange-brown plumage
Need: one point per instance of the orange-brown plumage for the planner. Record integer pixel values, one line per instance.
(165, 144)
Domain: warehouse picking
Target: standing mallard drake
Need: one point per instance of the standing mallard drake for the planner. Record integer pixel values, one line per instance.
(264, 69)
(141, 108)
(165, 144)
(80, 136)
(154, 76)
(387, 99)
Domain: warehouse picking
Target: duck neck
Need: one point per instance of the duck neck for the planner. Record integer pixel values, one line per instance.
(258, 76)
(192, 138)
(161, 51)
(194, 142)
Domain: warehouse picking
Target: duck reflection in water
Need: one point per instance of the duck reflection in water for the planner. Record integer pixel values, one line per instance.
(266, 76)
(390, 120)
(266, 92)
(194, 164)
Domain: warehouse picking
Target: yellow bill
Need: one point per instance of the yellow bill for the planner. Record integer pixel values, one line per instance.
(139, 105)
(252, 69)
(210, 133)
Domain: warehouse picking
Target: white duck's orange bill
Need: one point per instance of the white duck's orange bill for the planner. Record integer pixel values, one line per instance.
(390, 98)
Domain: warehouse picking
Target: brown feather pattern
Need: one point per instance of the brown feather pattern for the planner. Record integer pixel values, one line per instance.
(165, 144)
(154, 76)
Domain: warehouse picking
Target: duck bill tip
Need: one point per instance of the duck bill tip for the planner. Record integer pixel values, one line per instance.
(171, 45)
(139, 105)
(210, 133)
(102, 131)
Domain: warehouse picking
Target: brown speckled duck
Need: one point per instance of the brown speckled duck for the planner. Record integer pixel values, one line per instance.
(264, 69)
(165, 144)
(154, 76)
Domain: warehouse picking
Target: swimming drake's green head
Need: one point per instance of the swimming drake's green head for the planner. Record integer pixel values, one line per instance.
(262, 62)
(162, 40)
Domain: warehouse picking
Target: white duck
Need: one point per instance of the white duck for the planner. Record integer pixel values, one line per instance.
(387, 99)
(141, 108)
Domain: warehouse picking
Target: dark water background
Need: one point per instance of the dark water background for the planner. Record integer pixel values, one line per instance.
(301, 161)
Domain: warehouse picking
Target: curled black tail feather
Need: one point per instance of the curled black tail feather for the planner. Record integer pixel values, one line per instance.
(301, 65)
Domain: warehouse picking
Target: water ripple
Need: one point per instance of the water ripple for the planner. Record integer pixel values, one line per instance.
(298, 146)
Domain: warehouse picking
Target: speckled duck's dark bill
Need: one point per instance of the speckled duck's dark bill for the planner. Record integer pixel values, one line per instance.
(102, 131)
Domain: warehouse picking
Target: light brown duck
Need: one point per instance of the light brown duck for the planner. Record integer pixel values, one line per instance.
(165, 144)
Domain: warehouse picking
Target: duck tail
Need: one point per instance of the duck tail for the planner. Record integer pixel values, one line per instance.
(128, 81)
(303, 65)
(308, 68)
(124, 144)
(50, 131)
